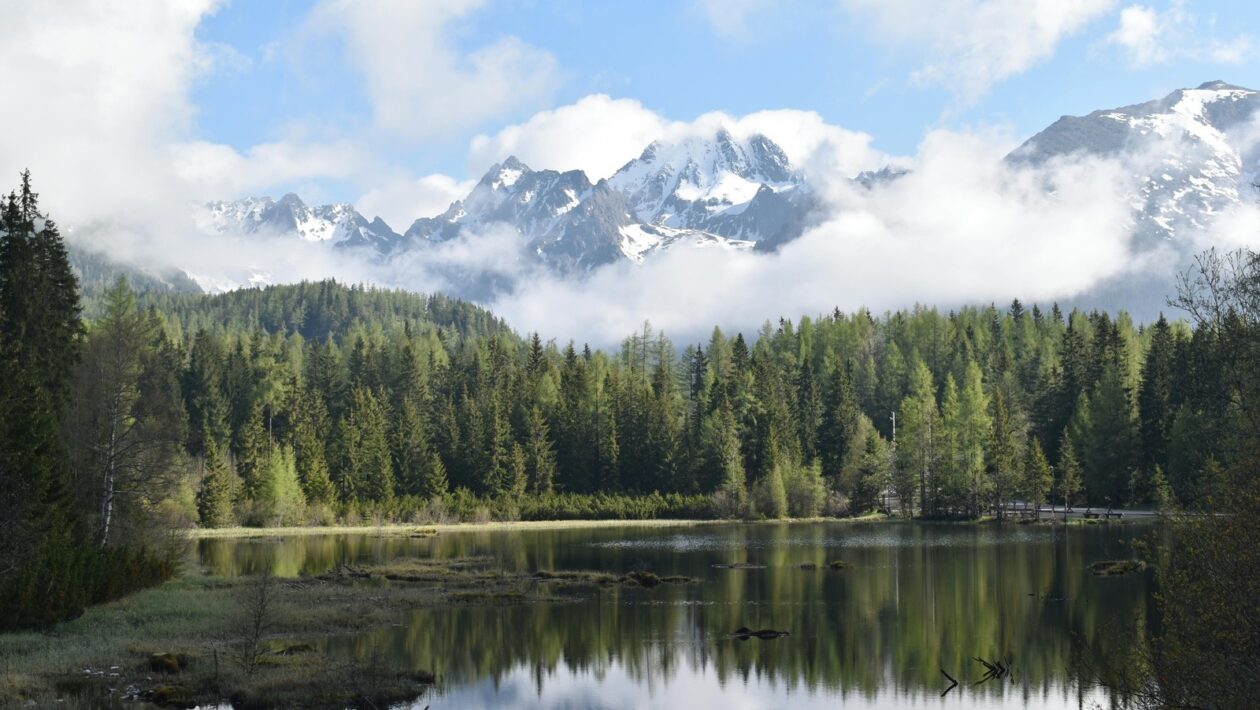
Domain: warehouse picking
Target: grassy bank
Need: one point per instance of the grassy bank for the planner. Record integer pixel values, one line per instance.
(408, 530)
(200, 639)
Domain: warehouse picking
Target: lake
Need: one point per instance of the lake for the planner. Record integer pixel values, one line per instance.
(915, 599)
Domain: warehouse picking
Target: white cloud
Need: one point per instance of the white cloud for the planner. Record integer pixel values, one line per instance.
(420, 83)
(96, 91)
(1148, 36)
(1138, 34)
(970, 45)
(401, 200)
(216, 171)
(729, 18)
(598, 135)
(961, 227)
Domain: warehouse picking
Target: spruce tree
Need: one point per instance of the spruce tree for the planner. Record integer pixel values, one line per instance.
(309, 449)
(1069, 470)
(1155, 413)
(219, 488)
(253, 457)
(1037, 475)
(541, 458)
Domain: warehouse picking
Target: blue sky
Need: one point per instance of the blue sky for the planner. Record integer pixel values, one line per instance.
(843, 60)
(135, 113)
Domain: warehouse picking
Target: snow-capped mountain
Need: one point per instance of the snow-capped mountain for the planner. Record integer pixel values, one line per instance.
(720, 185)
(338, 224)
(1186, 152)
(1187, 162)
(716, 191)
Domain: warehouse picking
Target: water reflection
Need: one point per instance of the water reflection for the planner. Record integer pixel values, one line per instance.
(916, 598)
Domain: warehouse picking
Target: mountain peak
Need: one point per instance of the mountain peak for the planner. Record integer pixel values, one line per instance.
(1218, 85)
(505, 174)
(290, 199)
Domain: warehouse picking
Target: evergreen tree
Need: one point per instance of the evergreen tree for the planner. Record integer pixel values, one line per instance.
(40, 341)
(366, 472)
(540, 457)
(951, 476)
(203, 395)
(219, 488)
(918, 427)
(1037, 475)
(253, 457)
(1004, 464)
(309, 448)
(1155, 412)
(974, 425)
(1069, 470)
(411, 450)
(434, 484)
(840, 421)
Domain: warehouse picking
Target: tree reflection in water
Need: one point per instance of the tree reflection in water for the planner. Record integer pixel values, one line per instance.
(915, 599)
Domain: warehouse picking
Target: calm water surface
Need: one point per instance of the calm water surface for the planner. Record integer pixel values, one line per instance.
(916, 598)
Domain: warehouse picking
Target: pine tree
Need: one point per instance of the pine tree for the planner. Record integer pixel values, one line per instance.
(1069, 470)
(203, 393)
(974, 426)
(839, 429)
(1162, 493)
(434, 483)
(518, 473)
(365, 471)
(411, 450)
(218, 490)
(373, 467)
(951, 478)
(1155, 412)
(540, 457)
(309, 450)
(1037, 475)
(253, 458)
(500, 475)
(40, 342)
(1004, 463)
(918, 425)
(1107, 441)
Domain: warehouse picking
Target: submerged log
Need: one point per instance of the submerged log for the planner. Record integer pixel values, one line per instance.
(744, 633)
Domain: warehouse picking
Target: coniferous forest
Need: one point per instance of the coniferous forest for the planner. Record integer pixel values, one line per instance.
(322, 403)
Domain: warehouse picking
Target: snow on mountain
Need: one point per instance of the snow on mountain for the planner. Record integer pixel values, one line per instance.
(1187, 167)
(710, 184)
(533, 202)
(702, 192)
(722, 191)
(337, 224)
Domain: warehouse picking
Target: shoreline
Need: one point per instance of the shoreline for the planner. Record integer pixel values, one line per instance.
(414, 528)
(509, 525)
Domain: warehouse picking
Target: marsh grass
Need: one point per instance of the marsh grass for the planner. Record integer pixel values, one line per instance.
(257, 641)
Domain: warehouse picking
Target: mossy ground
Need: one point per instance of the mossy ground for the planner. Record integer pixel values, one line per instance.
(178, 644)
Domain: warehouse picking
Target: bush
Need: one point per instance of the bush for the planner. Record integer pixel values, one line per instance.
(805, 490)
(770, 494)
(64, 576)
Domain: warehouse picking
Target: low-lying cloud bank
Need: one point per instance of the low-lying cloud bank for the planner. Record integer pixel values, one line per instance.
(962, 226)
(104, 120)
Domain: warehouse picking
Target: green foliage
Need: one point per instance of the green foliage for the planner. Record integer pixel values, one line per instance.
(1069, 470)
(1037, 475)
(55, 532)
(805, 490)
(770, 493)
(219, 489)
